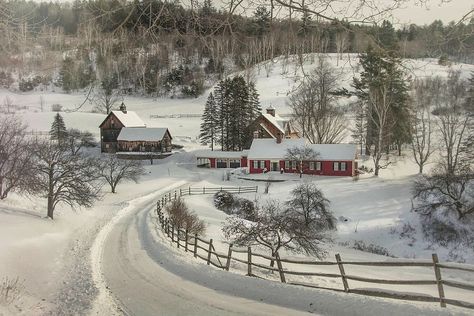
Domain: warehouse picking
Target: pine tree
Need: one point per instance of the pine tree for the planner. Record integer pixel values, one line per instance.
(58, 131)
(210, 123)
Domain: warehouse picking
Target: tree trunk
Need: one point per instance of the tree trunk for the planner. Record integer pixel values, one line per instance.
(50, 207)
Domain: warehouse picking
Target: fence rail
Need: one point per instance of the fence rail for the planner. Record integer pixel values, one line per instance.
(204, 250)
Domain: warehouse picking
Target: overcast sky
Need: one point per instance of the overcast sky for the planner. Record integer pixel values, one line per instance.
(412, 11)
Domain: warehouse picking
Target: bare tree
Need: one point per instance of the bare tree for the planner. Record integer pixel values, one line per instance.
(115, 170)
(77, 140)
(275, 229)
(180, 216)
(15, 157)
(300, 155)
(445, 192)
(309, 204)
(421, 146)
(62, 177)
(314, 108)
(106, 100)
(453, 123)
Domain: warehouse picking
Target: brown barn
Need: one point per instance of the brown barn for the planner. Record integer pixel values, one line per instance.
(271, 125)
(140, 139)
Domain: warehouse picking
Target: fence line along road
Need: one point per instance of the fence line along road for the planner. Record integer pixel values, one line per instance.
(204, 249)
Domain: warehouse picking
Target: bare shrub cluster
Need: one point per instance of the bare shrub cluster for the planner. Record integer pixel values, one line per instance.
(181, 216)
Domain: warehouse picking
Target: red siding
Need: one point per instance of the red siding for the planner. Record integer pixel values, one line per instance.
(243, 162)
(327, 168)
(213, 162)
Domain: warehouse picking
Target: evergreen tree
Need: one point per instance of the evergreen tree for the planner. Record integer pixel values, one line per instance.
(382, 89)
(58, 131)
(388, 37)
(262, 20)
(210, 123)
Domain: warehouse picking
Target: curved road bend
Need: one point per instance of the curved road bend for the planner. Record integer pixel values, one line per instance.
(147, 278)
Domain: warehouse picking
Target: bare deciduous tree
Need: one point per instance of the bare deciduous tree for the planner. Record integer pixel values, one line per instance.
(15, 157)
(300, 155)
(62, 177)
(77, 140)
(180, 216)
(313, 106)
(309, 204)
(421, 131)
(115, 170)
(275, 229)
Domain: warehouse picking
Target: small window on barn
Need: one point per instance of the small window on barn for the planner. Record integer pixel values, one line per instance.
(336, 166)
(255, 164)
(311, 165)
(262, 164)
(343, 166)
(293, 165)
(318, 165)
(287, 164)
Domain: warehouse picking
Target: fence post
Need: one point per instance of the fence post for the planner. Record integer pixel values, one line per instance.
(169, 196)
(195, 245)
(186, 240)
(249, 261)
(209, 252)
(280, 268)
(177, 235)
(175, 195)
(180, 192)
(172, 232)
(439, 281)
(168, 228)
(239, 189)
(229, 256)
(189, 190)
(343, 274)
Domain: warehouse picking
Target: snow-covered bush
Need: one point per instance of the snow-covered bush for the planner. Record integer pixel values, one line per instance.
(375, 249)
(224, 201)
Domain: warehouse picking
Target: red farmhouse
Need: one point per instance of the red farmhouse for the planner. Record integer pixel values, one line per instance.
(268, 155)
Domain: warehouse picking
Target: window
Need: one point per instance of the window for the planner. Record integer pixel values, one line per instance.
(318, 165)
(262, 164)
(311, 165)
(343, 166)
(287, 164)
(293, 165)
(255, 164)
(336, 166)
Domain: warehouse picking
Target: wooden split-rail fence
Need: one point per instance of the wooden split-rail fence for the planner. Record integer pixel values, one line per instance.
(205, 250)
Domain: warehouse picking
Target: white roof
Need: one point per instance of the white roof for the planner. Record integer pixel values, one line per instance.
(220, 154)
(276, 120)
(268, 148)
(129, 119)
(142, 134)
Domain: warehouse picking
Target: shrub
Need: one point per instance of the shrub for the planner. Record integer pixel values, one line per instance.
(180, 216)
(224, 201)
(56, 107)
(245, 209)
(375, 249)
(6, 79)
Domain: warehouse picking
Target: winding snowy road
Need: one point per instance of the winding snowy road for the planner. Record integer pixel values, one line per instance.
(147, 277)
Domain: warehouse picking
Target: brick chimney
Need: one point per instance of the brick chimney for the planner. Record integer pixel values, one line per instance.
(279, 138)
(123, 108)
(271, 111)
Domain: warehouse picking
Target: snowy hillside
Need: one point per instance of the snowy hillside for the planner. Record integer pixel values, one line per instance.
(52, 259)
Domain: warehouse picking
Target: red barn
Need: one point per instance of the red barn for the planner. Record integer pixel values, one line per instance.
(332, 159)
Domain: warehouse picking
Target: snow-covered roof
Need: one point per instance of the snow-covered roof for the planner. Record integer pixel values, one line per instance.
(277, 121)
(142, 134)
(129, 119)
(220, 154)
(268, 148)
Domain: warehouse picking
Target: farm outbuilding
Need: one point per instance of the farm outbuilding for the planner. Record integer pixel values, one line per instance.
(221, 159)
(144, 140)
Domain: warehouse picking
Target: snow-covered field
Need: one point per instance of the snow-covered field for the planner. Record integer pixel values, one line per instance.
(52, 258)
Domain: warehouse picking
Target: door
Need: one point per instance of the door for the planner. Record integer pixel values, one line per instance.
(275, 166)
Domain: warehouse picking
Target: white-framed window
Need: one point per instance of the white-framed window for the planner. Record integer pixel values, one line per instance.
(287, 164)
(318, 165)
(293, 165)
(343, 166)
(255, 164)
(262, 164)
(336, 166)
(311, 165)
